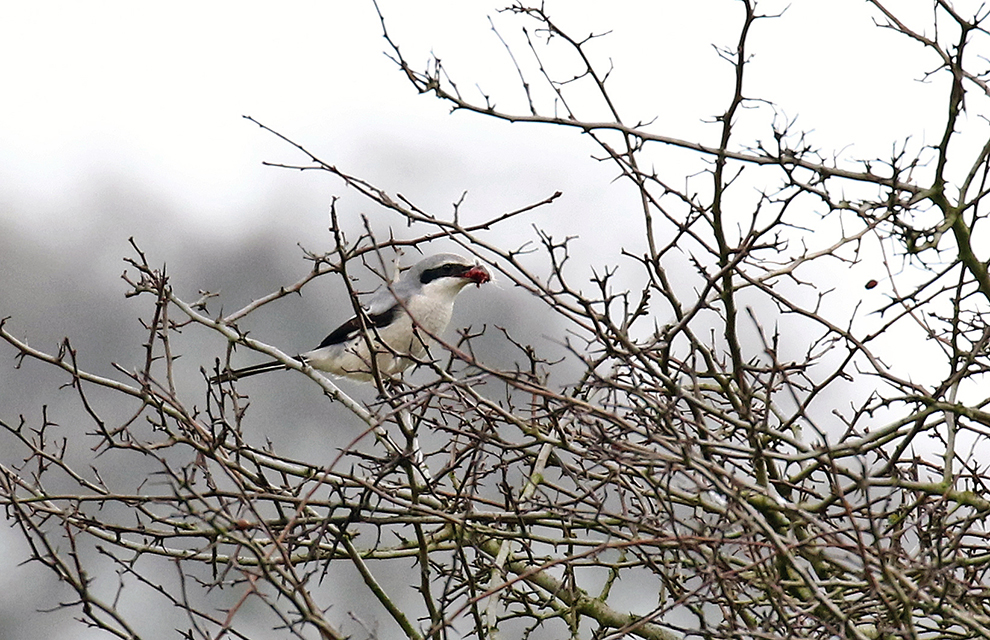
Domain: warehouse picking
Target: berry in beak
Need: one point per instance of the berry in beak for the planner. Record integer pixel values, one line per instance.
(478, 274)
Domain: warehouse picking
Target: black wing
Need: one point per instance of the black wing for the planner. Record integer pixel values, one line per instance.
(352, 327)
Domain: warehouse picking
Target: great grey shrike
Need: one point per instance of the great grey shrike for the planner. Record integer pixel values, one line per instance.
(400, 320)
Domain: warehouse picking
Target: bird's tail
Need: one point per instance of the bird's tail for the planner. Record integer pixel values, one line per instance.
(236, 374)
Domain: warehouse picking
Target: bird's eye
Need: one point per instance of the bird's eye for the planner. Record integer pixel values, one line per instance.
(442, 271)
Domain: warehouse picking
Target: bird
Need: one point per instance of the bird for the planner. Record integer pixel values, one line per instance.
(400, 320)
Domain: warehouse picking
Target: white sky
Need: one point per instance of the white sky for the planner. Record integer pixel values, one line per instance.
(155, 92)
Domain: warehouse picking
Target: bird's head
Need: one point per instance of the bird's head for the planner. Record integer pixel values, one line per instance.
(449, 269)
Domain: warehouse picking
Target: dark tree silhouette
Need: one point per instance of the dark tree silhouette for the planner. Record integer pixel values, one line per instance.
(740, 455)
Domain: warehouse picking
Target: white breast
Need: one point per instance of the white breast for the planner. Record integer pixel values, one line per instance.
(432, 310)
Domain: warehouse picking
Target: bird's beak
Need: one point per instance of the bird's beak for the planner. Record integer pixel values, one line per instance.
(478, 274)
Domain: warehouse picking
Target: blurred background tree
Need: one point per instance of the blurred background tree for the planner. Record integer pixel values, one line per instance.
(747, 401)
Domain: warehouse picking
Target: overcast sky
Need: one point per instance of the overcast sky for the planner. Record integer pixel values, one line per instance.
(123, 90)
(122, 119)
